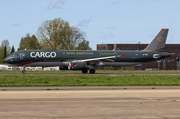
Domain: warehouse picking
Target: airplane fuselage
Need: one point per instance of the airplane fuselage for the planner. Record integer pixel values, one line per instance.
(62, 57)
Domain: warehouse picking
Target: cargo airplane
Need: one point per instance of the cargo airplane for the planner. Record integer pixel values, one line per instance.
(86, 59)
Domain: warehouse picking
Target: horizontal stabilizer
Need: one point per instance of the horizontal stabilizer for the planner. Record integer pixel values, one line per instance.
(156, 56)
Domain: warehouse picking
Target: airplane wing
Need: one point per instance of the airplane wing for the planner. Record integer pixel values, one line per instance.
(97, 59)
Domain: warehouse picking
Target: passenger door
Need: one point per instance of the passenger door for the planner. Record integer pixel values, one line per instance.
(21, 55)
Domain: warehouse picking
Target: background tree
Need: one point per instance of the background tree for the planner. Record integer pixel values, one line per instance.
(29, 42)
(12, 49)
(76, 38)
(8, 48)
(84, 45)
(57, 34)
(5, 52)
(1, 54)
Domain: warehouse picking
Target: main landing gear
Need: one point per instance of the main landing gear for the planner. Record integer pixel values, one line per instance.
(91, 71)
(84, 71)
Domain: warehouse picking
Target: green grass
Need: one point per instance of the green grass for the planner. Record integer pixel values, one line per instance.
(97, 71)
(88, 80)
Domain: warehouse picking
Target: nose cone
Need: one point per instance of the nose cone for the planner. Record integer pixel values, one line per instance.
(6, 60)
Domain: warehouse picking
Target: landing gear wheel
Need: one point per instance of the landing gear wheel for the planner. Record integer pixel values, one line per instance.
(92, 71)
(84, 71)
(23, 71)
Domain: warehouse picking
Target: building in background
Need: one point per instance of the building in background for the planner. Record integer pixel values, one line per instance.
(170, 63)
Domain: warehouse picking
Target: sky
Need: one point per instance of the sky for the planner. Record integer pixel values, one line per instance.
(103, 21)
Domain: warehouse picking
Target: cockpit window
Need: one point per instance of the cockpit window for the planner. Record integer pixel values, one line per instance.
(14, 55)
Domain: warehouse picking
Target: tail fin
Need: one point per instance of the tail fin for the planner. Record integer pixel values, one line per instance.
(158, 42)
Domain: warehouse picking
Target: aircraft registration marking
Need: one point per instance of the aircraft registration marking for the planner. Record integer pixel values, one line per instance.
(145, 54)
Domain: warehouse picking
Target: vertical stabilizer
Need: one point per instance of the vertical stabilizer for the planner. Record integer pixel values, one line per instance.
(158, 42)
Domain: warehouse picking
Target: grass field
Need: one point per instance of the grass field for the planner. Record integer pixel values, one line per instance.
(97, 71)
(88, 80)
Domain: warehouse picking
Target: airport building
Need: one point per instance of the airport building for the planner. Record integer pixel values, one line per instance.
(170, 63)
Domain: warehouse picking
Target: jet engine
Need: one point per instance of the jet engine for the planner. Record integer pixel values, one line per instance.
(63, 67)
(76, 66)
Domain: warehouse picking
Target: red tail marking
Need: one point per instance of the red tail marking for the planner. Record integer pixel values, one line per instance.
(123, 56)
(162, 29)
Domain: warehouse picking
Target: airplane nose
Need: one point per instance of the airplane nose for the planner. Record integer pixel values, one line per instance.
(5, 60)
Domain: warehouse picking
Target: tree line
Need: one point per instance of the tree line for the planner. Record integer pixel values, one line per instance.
(55, 34)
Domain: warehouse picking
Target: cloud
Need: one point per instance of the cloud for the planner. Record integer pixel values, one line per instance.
(172, 24)
(115, 3)
(129, 40)
(55, 4)
(107, 36)
(18, 24)
(85, 22)
(110, 27)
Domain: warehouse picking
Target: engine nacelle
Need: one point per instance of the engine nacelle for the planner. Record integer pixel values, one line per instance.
(63, 68)
(76, 66)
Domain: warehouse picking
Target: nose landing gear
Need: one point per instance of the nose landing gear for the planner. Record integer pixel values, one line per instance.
(23, 71)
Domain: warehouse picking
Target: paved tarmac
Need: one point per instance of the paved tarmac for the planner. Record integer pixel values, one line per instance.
(86, 88)
(71, 74)
(91, 104)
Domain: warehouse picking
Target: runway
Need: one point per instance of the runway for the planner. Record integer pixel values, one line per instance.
(87, 88)
(74, 74)
(91, 104)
